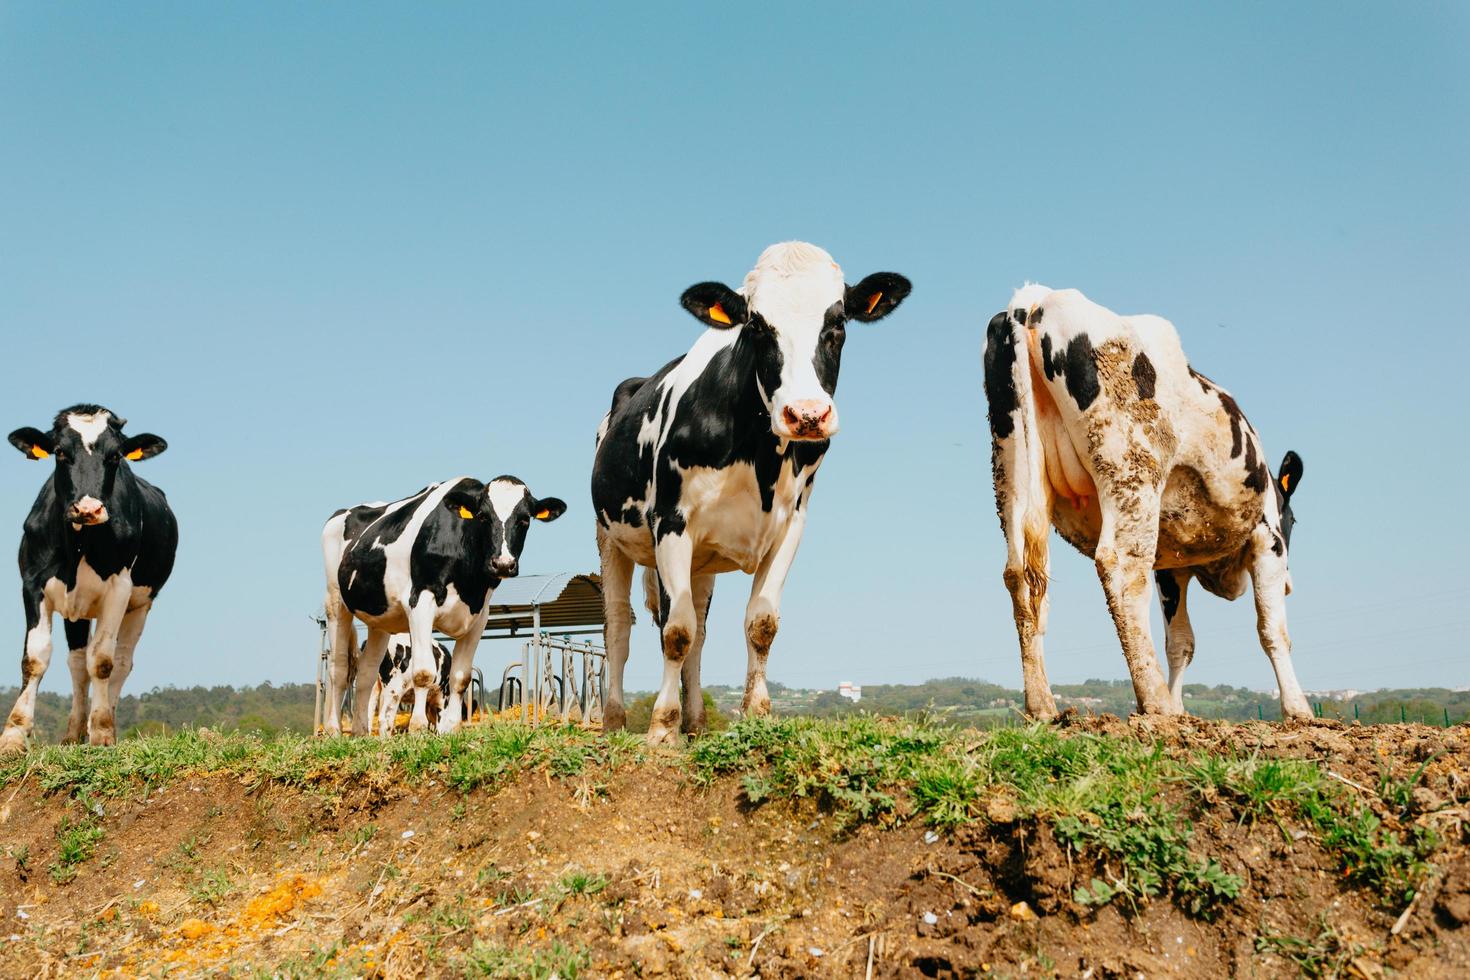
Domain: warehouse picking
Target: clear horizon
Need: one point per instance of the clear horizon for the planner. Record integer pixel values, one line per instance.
(333, 254)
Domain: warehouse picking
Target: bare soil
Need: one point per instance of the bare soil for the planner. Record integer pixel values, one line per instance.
(642, 872)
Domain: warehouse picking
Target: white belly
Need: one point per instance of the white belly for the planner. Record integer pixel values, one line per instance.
(84, 599)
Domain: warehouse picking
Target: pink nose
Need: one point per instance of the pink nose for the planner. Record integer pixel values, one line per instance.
(810, 418)
(88, 510)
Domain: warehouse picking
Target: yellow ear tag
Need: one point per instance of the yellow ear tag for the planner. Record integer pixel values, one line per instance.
(1285, 481)
(465, 513)
(135, 455)
(543, 515)
(873, 301)
(717, 313)
(39, 453)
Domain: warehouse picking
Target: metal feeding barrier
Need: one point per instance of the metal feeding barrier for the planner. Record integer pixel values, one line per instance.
(557, 676)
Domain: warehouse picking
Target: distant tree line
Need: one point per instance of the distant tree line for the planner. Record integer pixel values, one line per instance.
(270, 708)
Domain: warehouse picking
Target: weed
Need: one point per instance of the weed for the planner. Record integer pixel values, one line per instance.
(212, 887)
(557, 960)
(76, 842)
(1325, 955)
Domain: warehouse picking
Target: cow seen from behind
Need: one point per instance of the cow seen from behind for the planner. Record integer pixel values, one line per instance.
(1102, 430)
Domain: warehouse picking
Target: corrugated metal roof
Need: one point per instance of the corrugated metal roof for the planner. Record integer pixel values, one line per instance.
(567, 600)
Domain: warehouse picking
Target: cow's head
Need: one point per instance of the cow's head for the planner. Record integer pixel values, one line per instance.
(1287, 481)
(88, 446)
(507, 507)
(794, 308)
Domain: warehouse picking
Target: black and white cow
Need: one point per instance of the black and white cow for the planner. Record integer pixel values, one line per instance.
(707, 466)
(426, 562)
(1101, 429)
(395, 680)
(98, 545)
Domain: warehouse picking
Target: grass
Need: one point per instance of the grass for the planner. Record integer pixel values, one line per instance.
(1126, 808)
(1327, 954)
(556, 960)
(1115, 800)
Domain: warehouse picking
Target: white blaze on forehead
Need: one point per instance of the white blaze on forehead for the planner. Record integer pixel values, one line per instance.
(505, 496)
(89, 427)
(792, 286)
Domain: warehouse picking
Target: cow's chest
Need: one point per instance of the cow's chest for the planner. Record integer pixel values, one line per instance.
(84, 599)
(726, 517)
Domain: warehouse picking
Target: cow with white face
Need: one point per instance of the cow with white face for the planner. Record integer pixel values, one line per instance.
(1102, 430)
(707, 466)
(98, 545)
(427, 562)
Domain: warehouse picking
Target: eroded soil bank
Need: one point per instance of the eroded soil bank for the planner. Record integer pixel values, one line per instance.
(771, 853)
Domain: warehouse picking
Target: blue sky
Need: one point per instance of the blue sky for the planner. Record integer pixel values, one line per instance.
(333, 252)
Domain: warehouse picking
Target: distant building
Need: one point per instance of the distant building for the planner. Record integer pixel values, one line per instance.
(849, 690)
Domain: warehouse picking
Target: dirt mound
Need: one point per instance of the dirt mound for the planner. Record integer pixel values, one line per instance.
(595, 858)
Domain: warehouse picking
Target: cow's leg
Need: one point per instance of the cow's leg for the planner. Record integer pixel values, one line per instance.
(674, 554)
(34, 659)
(77, 634)
(763, 613)
(1124, 560)
(1027, 572)
(342, 640)
(617, 611)
(102, 659)
(1173, 584)
(127, 642)
(369, 662)
(376, 702)
(1269, 582)
(421, 672)
(461, 663)
(694, 723)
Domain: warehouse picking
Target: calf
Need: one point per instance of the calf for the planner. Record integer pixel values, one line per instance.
(394, 682)
(707, 466)
(98, 545)
(427, 562)
(1101, 429)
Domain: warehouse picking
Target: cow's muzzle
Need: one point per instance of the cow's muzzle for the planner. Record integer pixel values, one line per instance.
(810, 418)
(504, 567)
(88, 511)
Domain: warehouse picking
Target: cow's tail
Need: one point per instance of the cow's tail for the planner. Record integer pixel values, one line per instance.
(1018, 459)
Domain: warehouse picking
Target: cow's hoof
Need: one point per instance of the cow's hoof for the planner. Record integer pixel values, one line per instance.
(12, 743)
(614, 719)
(663, 736)
(416, 725)
(102, 738)
(447, 727)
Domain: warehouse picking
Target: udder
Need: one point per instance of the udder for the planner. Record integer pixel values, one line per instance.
(1065, 470)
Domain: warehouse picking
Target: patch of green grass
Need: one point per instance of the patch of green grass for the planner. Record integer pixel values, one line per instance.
(555, 960)
(212, 887)
(1326, 954)
(1391, 861)
(76, 841)
(581, 883)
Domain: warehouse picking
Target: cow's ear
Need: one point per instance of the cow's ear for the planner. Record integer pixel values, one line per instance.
(548, 508)
(715, 304)
(33, 442)
(1290, 474)
(464, 504)
(876, 296)
(143, 446)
